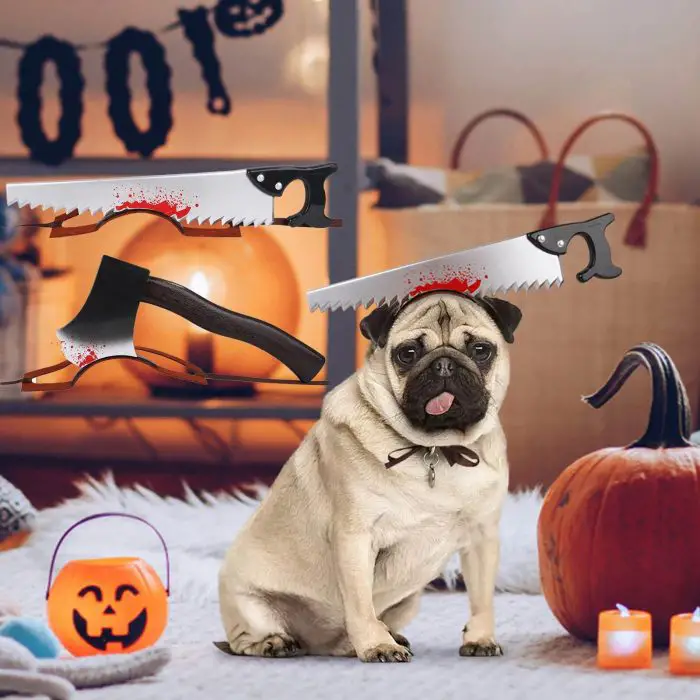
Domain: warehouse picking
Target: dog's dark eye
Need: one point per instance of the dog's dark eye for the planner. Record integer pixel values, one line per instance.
(480, 352)
(407, 354)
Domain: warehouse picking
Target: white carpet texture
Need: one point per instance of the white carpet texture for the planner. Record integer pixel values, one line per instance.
(541, 660)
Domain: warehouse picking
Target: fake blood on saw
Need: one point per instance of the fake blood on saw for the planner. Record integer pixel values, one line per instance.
(163, 207)
(456, 284)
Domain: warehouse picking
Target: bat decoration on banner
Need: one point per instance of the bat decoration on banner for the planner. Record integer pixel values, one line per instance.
(232, 18)
(195, 24)
(244, 18)
(104, 329)
(526, 262)
(229, 198)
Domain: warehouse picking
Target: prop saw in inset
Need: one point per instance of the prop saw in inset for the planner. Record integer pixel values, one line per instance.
(229, 198)
(529, 261)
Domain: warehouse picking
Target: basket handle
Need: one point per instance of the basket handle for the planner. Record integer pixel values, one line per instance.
(637, 231)
(108, 515)
(500, 112)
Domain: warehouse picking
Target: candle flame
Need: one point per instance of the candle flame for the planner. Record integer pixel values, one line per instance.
(199, 284)
(625, 642)
(696, 614)
(624, 612)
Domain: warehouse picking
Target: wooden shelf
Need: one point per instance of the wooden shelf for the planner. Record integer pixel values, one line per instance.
(70, 404)
(20, 167)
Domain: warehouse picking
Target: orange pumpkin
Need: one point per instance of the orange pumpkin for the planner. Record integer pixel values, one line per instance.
(622, 525)
(106, 606)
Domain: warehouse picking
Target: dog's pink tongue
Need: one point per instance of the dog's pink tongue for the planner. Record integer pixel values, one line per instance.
(440, 404)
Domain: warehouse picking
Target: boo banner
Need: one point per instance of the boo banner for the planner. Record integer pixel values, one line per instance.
(231, 18)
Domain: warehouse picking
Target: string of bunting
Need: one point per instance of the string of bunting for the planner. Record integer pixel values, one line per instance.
(231, 18)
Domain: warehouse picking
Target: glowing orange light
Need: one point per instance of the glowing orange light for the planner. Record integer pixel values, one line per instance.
(107, 606)
(624, 639)
(684, 650)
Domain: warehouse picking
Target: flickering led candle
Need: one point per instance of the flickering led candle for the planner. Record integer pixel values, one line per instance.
(624, 639)
(684, 648)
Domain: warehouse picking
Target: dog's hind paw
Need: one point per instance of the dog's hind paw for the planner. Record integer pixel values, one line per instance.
(279, 646)
(400, 639)
(276, 646)
(386, 653)
(483, 647)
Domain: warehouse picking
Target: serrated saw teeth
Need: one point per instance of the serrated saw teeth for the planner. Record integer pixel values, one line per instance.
(522, 286)
(526, 262)
(388, 299)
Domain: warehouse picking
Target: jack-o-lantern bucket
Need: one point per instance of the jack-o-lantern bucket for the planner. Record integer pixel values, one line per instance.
(114, 605)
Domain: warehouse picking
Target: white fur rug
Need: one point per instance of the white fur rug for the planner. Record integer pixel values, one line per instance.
(198, 531)
(540, 658)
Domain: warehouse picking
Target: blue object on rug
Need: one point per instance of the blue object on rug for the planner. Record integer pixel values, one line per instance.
(32, 634)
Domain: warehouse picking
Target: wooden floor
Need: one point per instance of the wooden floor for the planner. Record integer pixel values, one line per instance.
(46, 482)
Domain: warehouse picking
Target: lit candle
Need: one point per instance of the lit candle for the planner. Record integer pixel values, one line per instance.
(200, 346)
(624, 638)
(684, 650)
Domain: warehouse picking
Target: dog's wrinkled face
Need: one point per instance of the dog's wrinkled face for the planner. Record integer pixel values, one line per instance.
(445, 357)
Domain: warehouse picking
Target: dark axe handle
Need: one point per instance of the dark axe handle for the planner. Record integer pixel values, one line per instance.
(302, 359)
(273, 181)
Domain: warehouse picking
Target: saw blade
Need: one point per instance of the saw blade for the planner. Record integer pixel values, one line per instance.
(514, 264)
(226, 197)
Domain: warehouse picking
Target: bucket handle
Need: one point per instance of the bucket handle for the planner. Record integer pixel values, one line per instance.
(107, 515)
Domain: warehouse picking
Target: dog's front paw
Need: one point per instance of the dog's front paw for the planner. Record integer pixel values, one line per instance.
(386, 653)
(482, 647)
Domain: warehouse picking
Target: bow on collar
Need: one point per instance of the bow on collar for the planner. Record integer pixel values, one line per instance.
(454, 454)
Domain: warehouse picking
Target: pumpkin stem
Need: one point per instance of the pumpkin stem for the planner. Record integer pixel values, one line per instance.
(669, 416)
(678, 424)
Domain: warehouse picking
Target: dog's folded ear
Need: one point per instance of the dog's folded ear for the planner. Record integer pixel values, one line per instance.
(507, 316)
(376, 326)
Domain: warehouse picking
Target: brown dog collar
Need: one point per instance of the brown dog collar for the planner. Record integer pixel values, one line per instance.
(453, 454)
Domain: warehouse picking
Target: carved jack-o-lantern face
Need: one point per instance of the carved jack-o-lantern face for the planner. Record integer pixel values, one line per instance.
(114, 627)
(107, 606)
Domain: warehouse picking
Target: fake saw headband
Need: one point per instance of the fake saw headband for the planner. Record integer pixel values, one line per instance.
(104, 329)
(217, 203)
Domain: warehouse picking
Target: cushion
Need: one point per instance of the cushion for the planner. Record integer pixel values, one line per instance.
(17, 516)
(584, 178)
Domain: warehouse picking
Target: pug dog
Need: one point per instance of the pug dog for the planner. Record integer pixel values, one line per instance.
(406, 466)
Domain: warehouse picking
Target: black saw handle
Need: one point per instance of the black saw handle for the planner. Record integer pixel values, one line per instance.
(273, 180)
(555, 240)
(302, 359)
